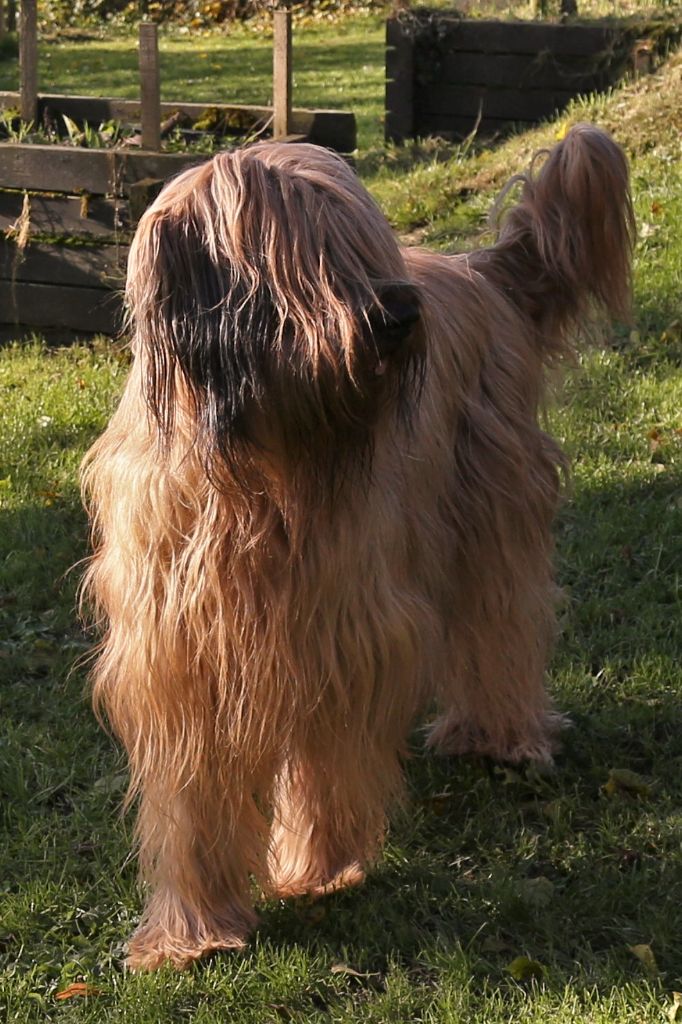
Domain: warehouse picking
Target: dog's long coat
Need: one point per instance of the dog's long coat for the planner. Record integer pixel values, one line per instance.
(323, 503)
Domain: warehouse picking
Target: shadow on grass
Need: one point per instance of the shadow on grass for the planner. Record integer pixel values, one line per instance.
(491, 863)
(485, 864)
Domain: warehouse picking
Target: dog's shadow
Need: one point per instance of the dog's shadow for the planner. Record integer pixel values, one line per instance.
(570, 869)
(487, 864)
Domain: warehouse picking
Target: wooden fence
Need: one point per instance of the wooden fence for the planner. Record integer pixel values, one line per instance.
(448, 76)
(66, 216)
(67, 213)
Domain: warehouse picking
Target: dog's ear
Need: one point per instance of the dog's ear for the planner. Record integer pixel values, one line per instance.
(393, 318)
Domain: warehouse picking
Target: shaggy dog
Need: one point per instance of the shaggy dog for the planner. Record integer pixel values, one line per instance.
(322, 506)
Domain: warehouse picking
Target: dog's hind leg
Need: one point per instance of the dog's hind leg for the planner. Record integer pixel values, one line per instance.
(493, 700)
(502, 618)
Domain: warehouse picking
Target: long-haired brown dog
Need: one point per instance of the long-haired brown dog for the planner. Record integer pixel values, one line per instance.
(323, 504)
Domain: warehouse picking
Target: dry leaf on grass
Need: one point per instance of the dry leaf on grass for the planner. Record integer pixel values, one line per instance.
(78, 988)
(645, 955)
(675, 1008)
(623, 782)
(522, 968)
(345, 969)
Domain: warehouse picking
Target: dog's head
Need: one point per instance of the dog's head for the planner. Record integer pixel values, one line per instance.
(268, 300)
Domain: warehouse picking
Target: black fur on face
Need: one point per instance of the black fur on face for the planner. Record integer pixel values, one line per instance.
(272, 343)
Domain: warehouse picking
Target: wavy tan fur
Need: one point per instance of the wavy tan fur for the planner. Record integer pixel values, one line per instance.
(324, 503)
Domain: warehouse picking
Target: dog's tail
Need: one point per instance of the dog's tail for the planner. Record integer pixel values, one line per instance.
(566, 246)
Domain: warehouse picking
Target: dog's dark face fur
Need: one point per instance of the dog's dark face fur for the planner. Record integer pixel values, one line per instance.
(281, 322)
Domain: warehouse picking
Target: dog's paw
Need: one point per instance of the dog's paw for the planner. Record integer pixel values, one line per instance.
(172, 933)
(151, 947)
(458, 737)
(316, 885)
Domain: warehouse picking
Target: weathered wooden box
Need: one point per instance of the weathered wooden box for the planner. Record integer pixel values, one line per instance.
(447, 75)
(67, 213)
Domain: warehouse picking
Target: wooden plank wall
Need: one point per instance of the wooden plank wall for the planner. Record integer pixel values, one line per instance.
(63, 287)
(67, 215)
(446, 75)
(94, 171)
(400, 47)
(505, 74)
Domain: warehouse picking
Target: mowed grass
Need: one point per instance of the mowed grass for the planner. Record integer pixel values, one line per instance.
(577, 872)
(336, 66)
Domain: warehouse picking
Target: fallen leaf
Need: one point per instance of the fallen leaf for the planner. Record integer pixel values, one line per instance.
(345, 969)
(551, 809)
(510, 777)
(645, 955)
(522, 968)
(438, 803)
(110, 784)
(675, 1007)
(78, 988)
(536, 892)
(673, 331)
(623, 782)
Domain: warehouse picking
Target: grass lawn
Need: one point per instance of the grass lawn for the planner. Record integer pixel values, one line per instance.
(339, 66)
(502, 897)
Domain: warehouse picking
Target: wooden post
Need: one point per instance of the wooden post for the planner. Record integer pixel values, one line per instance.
(281, 75)
(150, 86)
(399, 124)
(28, 60)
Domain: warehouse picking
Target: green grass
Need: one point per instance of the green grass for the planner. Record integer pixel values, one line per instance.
(486, 864)
(339, 66)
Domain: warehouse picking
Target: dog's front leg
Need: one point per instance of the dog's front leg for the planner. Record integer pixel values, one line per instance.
(197, 849)
(331, 800)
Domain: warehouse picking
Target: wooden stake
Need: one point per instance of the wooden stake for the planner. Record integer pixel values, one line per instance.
(28, 60)
(281, 75)
(150, 86)
(399, 123)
